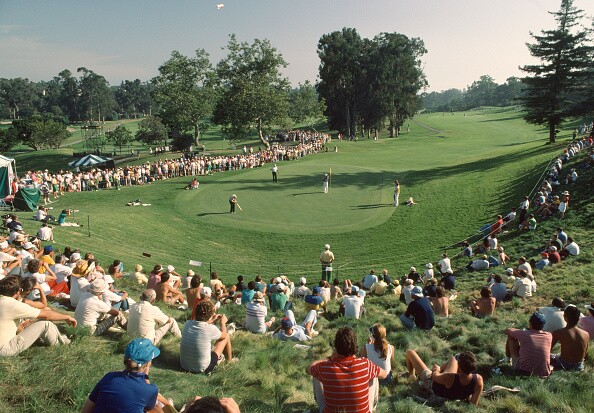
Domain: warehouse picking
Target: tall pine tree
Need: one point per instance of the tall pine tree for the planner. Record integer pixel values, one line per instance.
(565, 56)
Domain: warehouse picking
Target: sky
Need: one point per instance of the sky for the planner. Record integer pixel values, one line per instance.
(130, 39)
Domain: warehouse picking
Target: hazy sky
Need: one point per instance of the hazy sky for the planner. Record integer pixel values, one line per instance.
(129, 39)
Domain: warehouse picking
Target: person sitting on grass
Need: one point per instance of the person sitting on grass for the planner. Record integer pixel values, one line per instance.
(419, 313)
(279, 298)
(542, 263)
(480, 264)
(62, 219)
(522, 286)
(448, 280)
(335, 290)
(587, 323)
(573, 340)
(407, 291)
(455, 380)
(129, 390)
(196, 354)
(148, 321)
(344, 382)
(212, 405)
(379, 351)
(529, 224)
(166, 293)
(571, 249)
(193, 293)
(554, 315)
(255, 315)
(369, 280)
(138, 275)
(499, 290)
(441, 302)
(19, 336)
(31, 289)
(314, 301)
(530, 350)
(379, 287)
(484, 306)
(352, 305)
(92, 312)
(301, 291)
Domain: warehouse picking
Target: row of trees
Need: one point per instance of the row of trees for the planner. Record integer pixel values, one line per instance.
(368, 83)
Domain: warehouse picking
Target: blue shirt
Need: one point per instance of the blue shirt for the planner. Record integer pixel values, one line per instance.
(122, 391)
(247, 296)
(449, 282)
(420, 309)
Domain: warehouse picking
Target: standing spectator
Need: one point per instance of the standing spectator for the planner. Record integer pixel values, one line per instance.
(326, 259)
(530, 350)
(396, 192)
(195, 353)
(524, 205)
(342, 381)
(419, 312)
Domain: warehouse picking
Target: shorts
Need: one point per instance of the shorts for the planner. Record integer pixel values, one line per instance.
(559, 364)
(215, 359)
(426, 379)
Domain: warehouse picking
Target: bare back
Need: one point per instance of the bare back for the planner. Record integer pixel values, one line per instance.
(574, 343)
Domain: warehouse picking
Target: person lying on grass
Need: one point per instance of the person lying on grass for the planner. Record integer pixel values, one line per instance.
(455, 380)
(129, 390)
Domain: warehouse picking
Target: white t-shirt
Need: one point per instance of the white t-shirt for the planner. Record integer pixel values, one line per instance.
(40, 278)
(62, 272)
(573, 248)
(444, 264)
(12, 310)
(374, 357)
(298, 334)
(522, 287)
(196, 345)
(526, 267)
(301, 291)
(44, 233)
(352, 306)
(255, 317)
(406, 290)
(554, 317)
(78, 286)
(89, 309)
(143, 320)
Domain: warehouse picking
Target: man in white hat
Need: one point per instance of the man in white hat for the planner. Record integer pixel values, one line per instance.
(255, 316)
(279, 298)
(303, 290)
(148, 321)
(92, 312)
(419, 313)
(326, 259)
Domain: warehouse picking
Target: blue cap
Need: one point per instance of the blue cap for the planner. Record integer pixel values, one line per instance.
(317, 290)
(141, 350)
(48, 248)
(417, 291)
(286, 323)
(354, 289)
(538, 320)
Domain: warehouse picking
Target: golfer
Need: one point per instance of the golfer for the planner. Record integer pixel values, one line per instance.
(232, 203)
(396, 192)
(325, 183)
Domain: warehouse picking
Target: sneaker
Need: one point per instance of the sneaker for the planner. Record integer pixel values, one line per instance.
(272, 320)
(314, 333)
(234, 360)
(453, 297)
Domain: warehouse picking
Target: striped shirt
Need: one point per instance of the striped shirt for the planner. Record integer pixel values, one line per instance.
(196, 345)
(535, 351)
(255, 317)
(346, 383)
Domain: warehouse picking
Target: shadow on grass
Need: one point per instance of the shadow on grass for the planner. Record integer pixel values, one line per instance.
(203, 214)
(371, 206)
(306, 193)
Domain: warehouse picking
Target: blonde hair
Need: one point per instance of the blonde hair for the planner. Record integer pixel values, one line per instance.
(380, 344)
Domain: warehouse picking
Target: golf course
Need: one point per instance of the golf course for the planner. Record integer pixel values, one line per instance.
(461, 168)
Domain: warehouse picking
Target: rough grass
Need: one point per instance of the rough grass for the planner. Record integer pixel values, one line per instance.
(481, 167)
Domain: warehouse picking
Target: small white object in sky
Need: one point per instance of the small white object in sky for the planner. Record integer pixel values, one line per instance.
(220, 6)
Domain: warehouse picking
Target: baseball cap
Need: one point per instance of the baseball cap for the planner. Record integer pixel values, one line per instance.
(205, 291)
(316, 290)
(417, 291)
(47, 249)
(509, 271)
(303, 280)
(281, 287)
(286, 323)
(29, 246)
(141, 351)
(278, 280)
(170, 268)
(355, 289)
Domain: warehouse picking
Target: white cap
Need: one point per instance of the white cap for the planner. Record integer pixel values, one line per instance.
(429, 265)
(278, 280)
(75, 256)
(170, 268)
(413, 269)
(327, 246)
(281, 287)
(303, 280)
(206, 291)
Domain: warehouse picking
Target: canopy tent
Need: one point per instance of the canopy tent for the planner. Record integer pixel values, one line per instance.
(26, 199)
(90, 160)
(7, 174)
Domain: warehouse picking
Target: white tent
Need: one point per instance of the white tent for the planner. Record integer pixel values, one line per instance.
(89, 160)
(7, 174)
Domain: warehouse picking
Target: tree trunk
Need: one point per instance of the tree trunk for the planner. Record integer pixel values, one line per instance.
(551, 133)
(348, 121)
(261, 135)
(196, 133)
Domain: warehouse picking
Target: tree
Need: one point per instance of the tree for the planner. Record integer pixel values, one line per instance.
(39, 132)
(339, 72)
(565, 54)
(17, 94)
(119, 137)
(185, 91)
(95, 98)
(8, 139)
(305, 106)
(151, 131)
(253, 94)
(481, 92)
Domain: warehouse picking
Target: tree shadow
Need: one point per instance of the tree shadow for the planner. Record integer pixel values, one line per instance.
(203, 214)
(371, 206)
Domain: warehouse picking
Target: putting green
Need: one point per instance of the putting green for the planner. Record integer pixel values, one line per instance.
(296, 202)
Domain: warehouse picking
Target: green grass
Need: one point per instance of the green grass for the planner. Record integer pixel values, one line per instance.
(462, 171)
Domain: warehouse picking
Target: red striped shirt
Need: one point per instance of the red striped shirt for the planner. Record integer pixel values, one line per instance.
(346, 383)
(535, 351)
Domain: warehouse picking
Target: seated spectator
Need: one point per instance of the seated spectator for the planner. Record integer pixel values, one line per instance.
(467, 251)
(407, 291)
(217, 286)
(497, 225)
(448, 280)
(522, 286)
(352, 304)
(479, 264)
(196, 354)
(530, 350)
(395, 288)
(118, 299)
(510, 217)
(115, 269)
(291, 332)
(324, 290)
(61, 270)
(571, 249)
(335, 290)
(587, 323)
(573, 340)
(260, 285)
(212, 404)
(554, 256)
(154, 277)
(543, 262)
(369, 280)
(428, 273)
(484, 306)
(148, 321)
(414, 275)
(256, 312)
(379, 351)
(529, 224)
(315, 301)
(78, 282)
(301, 291)
(379, 287)
(455, 380)
(279, 298)
(554, 319)
(444, 264)
(441, 302)
(522, 265)
(92, 312)
(502, 257)
(45, 233)
(499, 290)
(430, 289)
(193, 293)
(166, 293)
(419, 312)
(30, 288)
(310, 320)
(62, 218)
(247, 295)
(138, 275)
(15, 338)
(128, 390)
(561, 235)
(344, 381)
